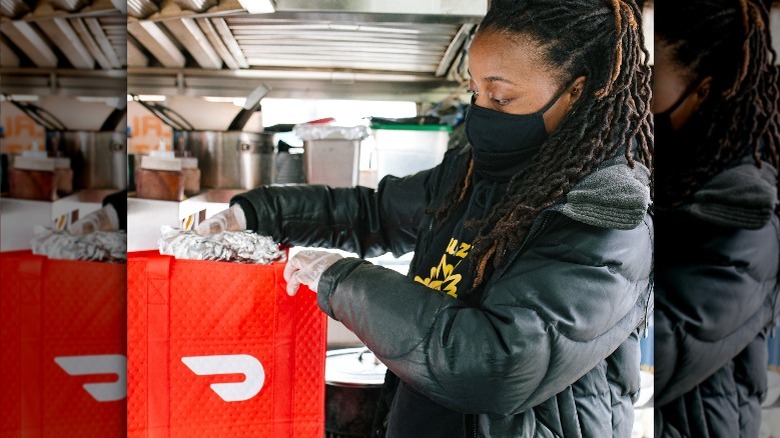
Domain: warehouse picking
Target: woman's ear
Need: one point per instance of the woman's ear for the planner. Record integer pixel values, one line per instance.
(702, 92)
(575, 91)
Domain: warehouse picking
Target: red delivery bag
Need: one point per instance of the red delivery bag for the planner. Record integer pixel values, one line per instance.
(62, 347)
(220, 349)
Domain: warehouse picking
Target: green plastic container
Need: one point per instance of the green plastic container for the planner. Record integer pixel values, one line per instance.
(407, 149)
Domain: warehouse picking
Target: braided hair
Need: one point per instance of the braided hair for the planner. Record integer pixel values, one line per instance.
(603, 41)
(730, 41)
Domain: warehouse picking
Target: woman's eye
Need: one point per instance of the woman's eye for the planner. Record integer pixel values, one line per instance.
(501, 102)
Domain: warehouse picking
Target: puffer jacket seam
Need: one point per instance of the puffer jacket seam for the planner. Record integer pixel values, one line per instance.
(561, 242)
(681, 325)
(423, 339)
(595, 394)
(592, 261)
(549, 429)
(536, 310)
(550, 338)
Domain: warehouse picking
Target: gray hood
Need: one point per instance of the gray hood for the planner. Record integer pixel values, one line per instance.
(613, 196)
(742, 196)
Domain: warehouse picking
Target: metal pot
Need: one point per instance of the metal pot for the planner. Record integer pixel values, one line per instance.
(229, 159)
(353, 382)
(98, 158)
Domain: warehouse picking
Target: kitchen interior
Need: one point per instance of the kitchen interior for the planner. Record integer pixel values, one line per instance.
(392, 61)
(340, 93)
(186, 103)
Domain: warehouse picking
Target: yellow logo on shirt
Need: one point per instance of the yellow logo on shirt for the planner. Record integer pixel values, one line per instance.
(442, 276)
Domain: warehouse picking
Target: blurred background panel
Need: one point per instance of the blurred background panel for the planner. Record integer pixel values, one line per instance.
(63, 145)
(717, 133)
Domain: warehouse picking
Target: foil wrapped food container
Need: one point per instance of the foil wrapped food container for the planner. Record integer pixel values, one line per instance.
(103, 246)
(229, 246)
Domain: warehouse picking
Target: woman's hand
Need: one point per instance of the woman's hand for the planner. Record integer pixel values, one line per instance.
(105, 219)
(232, 219)
(306, 268)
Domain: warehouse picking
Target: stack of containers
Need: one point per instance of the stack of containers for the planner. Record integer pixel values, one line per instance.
(33, 177)
(407, 149)
(331, 153)
(160, 176)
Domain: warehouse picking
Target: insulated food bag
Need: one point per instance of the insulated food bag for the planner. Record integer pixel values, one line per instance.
(220, 349)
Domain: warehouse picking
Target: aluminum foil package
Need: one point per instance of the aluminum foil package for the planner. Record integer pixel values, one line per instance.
(104, 246)
(307, 131)
(232, 246)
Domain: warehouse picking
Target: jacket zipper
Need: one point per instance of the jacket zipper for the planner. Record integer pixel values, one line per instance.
(428, 238)
(423, 248)
(470, 425)
(536, 228)
(773, 322)
(651, 287)
(646, 330)
(536, 232)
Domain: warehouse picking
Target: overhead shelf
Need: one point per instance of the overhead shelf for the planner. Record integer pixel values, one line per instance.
(305, 48)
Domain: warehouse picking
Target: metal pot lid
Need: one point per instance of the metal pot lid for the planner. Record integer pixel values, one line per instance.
(354, 367)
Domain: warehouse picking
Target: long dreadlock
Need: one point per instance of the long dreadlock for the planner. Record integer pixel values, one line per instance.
(603, 41)
(730, 41)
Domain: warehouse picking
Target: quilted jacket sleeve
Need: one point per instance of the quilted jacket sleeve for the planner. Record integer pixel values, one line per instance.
(714, 295)
(361, 220)
(563, 305)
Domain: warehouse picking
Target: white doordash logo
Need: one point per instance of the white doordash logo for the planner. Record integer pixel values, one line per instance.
(96, 365)
(244, 364)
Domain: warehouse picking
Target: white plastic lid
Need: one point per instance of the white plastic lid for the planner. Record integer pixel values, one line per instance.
(24, 162)
(156, 163)
(62, 162)
(35, 154)
(162, 154)
(189, 162)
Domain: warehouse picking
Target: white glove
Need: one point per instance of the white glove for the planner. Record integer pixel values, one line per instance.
(306, 268)
(105, 219)
(232, 219)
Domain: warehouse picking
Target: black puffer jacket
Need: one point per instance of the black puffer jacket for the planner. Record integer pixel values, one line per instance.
(551, 349)
(716, 294)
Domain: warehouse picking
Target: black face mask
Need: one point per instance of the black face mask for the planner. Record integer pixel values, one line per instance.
(502, 144)
(663, 121)
(675, 149)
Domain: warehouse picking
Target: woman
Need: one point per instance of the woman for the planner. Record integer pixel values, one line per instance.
(717, 121)
(536, 238)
